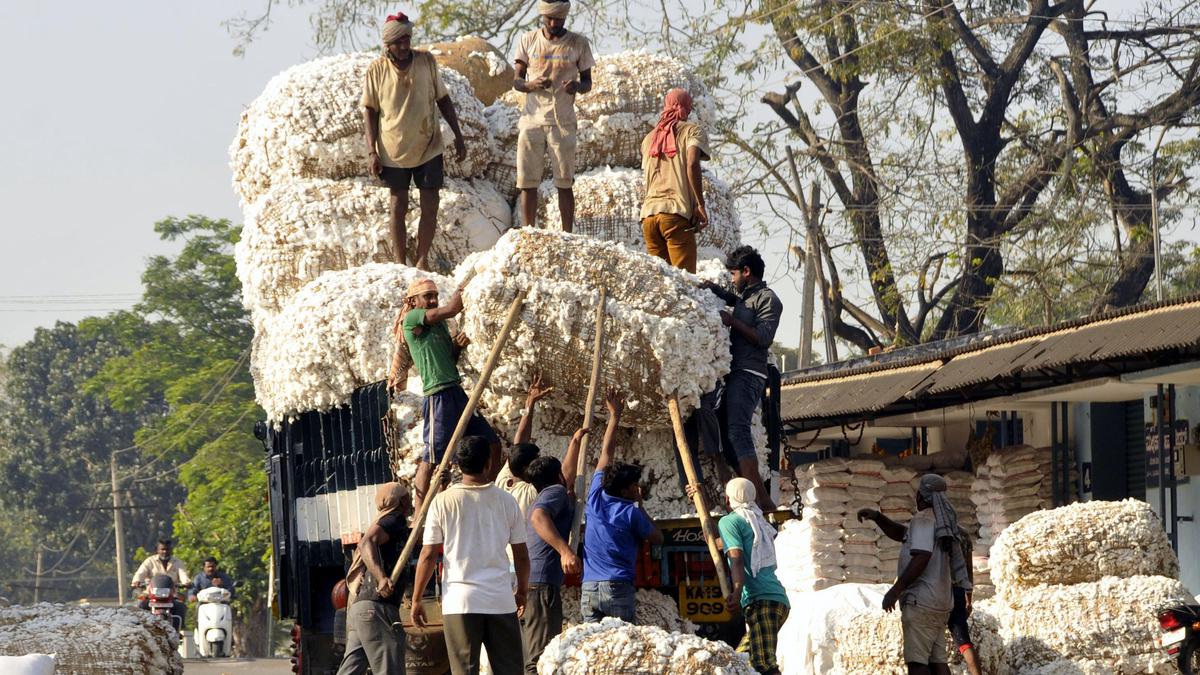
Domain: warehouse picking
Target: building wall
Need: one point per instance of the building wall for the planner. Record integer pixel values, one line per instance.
(1187, 407)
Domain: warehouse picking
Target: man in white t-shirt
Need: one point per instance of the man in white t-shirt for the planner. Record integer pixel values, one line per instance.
(923, 582)
(553, 64)
(473, 521)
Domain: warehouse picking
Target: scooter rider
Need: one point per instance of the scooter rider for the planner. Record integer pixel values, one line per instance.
(162, 562)
(211, 576)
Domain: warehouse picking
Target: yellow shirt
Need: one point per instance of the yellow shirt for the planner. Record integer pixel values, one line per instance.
(667, 188)
(410, 129)
(561, 60)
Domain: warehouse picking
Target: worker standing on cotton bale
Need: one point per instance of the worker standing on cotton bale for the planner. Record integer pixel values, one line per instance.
(752, 324)
(750, 549)
(673, 210)
(550, 556)
(616, 527)
(931, 560)
(374, 637)
(402, 95)
(422, 334)
(471, 523)
(553, 64)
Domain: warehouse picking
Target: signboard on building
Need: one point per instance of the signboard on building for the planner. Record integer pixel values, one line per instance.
(1182, 436)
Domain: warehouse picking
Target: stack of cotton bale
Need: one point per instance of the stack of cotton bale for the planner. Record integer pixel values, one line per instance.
(92, 640)
(613, 646)
(1080, 586)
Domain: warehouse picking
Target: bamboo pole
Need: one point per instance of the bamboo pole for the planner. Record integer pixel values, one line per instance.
(435, 482)
(689, 468)
(589, 407)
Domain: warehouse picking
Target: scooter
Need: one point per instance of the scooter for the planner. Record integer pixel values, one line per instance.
(1181, 636)
(159, 594)
(214, 623)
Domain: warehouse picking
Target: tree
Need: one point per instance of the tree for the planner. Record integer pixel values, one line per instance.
(196, 362)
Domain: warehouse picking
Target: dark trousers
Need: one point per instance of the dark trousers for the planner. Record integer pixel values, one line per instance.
(542, 622)
(500, 634)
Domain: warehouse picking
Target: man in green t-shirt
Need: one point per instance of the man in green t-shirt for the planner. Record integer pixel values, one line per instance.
(750, 548)
(422, 333)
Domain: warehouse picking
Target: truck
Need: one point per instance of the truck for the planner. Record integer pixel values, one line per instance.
(324, 468)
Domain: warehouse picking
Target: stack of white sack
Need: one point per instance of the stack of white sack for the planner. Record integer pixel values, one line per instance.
(1006, 488)
(897, 502)
(92, 640)
(308, 123)
(865, 489)
(297, 231)
(663, 334)
(811, 556)
(1081, 585)
(622, 107)
(1052, 478)
(958, 492)
(608, 205)
(613, 646)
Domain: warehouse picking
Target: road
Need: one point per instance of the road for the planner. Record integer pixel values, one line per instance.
(237, 667)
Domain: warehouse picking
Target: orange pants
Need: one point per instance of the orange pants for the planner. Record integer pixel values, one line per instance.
(671, 237)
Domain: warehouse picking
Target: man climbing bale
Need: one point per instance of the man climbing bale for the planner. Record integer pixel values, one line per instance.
(752, 321)
(402, 95)
(673, 211)
(553, 64)
(421, 332)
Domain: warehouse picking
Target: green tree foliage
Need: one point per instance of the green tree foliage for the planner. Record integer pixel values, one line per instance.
(196, 362)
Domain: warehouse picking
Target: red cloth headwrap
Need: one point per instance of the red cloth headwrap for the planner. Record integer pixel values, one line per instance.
(398, 16)
(676, 108)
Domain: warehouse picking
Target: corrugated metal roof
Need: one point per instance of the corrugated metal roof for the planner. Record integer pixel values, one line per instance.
(856, 393)
(868, 386)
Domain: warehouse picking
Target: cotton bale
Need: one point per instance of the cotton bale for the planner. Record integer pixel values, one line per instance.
(476, 59)
(333, 336)
(1110, 621)
(92, 640)
(308, 123)
(872, 641)
(613, 646)
(663, 334)
(1079, 543)
(608, 205)
(297, 231)
(651, 608)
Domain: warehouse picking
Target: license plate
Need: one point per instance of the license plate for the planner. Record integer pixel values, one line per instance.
(701, 602)
(1174, 637)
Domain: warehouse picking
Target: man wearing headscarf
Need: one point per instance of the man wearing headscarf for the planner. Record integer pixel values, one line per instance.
(424, 338)
(552, 65)
(923, 583)
(374, 637)
(750, 549)
(673, 210)
(402, 96)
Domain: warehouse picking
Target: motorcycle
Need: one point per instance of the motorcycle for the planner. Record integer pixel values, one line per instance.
(214, 623)
(1181, 636)
(159, 595)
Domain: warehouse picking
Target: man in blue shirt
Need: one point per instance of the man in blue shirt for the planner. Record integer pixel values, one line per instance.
(211, 576)
(750, 548)
(616, 527)
(550, 556)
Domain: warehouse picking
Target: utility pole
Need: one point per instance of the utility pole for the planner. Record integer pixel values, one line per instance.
(813, 276)
(120, 532)
(1158, 287)
(37, 576)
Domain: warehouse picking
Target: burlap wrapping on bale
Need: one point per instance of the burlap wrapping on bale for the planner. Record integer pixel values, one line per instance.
(651, 608)
(333, 336)
(92, 640)
(608, 205)
(873, 642)
(476, 59)
(308, 123)
(663, 333)
(1081, 543)
(1110, 621)
(295, 232)
(614, 647)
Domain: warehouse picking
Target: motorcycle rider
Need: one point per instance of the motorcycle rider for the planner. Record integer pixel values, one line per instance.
(162, 562)
(211, 576)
